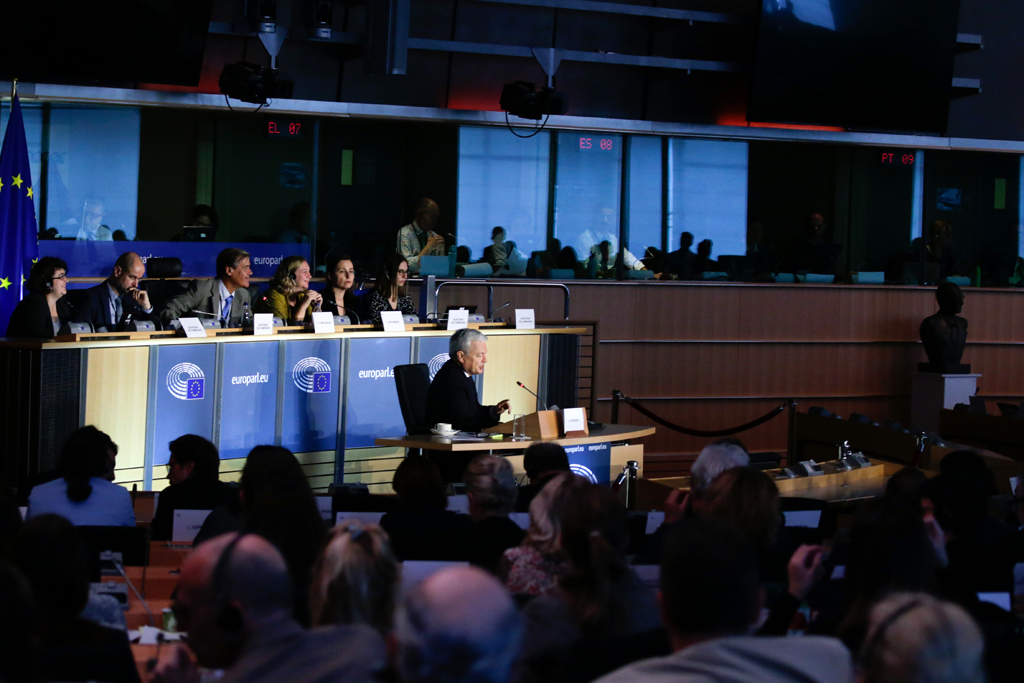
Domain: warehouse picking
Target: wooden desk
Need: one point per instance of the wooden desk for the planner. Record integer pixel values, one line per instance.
(1004, 435)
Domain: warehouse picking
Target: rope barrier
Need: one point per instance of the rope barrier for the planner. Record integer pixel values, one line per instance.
(774, 412)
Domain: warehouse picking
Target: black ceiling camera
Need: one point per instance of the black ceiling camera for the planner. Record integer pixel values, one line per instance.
(252, 83)
(524, 100)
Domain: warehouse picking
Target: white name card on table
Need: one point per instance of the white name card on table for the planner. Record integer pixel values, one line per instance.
(654, 520)
(521, 519)
(803, 518)
(574, 420)
(193, 327)
(459, 504)
(393, 321)
(187, 524)
(364, 517)
(324, 504)
(323, 322)
(525, 319)
(458, 319)
(263, 323)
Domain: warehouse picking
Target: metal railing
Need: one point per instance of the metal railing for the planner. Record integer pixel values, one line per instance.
(490, 291)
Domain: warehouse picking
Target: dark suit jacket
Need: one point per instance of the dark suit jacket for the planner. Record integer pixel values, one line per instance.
(95, 309)
(31, 317)
(452, 399)
(192, 494)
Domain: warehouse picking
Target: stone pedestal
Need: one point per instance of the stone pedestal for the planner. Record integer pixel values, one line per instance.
(931, 392)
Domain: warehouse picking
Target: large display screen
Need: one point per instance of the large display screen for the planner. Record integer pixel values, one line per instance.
(882, 65)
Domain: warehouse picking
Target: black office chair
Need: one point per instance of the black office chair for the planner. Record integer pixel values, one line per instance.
(412, 382)
(158, 287)
(131, 542)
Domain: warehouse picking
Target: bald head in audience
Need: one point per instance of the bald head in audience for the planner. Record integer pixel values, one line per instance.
(460, 626)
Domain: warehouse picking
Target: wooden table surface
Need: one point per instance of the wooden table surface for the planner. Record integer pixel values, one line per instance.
(440, 443)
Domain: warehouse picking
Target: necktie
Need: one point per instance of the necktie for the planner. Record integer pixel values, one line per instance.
(117, 312)
(226, 311)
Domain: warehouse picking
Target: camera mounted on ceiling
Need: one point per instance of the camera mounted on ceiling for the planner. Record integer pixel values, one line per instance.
(526, 101)
(253, 83)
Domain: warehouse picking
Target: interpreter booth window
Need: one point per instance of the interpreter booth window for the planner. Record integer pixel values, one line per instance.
(32, 116)
(503, 181)
(707, 184)
(643, 194)
(588, 184)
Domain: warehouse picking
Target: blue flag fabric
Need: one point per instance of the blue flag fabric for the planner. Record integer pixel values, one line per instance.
(19, 232)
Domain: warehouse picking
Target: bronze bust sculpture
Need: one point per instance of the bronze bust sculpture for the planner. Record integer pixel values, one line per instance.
(944, 334)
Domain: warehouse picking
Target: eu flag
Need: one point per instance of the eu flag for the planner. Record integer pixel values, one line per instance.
(19, 234)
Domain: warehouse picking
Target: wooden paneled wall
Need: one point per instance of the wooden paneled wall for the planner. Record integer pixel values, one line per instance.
(717, 355)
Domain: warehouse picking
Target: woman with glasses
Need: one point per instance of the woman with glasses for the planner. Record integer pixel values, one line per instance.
(42, 312)
(390, 292)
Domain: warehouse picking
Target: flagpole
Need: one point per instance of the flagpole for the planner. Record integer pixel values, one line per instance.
(14, 88)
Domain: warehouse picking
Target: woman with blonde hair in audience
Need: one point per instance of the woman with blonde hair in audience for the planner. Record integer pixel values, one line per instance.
(290, 297)
(356, 578)
(913, 637)
(536, 565)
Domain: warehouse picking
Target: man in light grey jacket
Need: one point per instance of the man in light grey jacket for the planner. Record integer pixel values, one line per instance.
(710, 598)
(224, 296)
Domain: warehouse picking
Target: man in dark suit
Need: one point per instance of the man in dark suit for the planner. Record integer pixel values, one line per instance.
(681, 262)
(108, 304)
(225, 296)
(193, 470)
(452, 395)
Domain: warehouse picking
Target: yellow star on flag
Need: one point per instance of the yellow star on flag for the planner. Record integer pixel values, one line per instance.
(1, 183)
(16, 180)
(35, 260)
(30, 193)
(4, 283)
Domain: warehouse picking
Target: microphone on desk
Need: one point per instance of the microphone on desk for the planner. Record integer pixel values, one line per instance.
(145, 605)
(496, 320)
(539, 399)
(223, 323)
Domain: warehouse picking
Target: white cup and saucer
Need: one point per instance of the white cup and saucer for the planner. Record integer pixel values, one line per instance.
(444, 429)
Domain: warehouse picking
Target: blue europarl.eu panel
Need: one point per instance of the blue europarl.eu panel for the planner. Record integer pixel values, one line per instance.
(248, 394)
(310, 395)
(183, 396)
(591, 460)
(434, 352)
(372, 408)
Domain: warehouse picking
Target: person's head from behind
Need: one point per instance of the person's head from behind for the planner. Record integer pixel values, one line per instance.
(490, 486)
(969, 465)
(685, 240)
(87, 453)
(543, 458)
(458, 626)
(192, 456)
(547, 510)
(393, 277)
(292, 275)
(716, 458)
(227, 585)
(234, 268)
(52, 555)
(914, 637)
(567, 259)
(469, 349)
(48, 275)
(704, 248)
(341, 272)
(271, 469)
(958, 502)
(710, 585)
(747, 499)
(906, 485)
(498, 234)
(356, 578)
(417, 481)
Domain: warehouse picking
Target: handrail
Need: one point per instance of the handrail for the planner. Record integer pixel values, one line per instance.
(490, 290)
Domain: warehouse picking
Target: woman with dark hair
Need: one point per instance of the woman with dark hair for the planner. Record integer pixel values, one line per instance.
(391, 293)
(84, 494)
(338, 295)
(41, 314)
(290, 297)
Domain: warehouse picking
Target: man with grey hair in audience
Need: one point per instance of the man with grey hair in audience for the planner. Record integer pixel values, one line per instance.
(235, 602)
(716, 458)
(459, 626)
(491, 489)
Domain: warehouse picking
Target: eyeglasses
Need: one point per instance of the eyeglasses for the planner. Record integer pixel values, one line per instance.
(403, 272)
(62, 277)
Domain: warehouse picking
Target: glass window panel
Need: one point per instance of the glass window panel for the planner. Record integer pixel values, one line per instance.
(503, 180)
(643, 189)
(588, 190)
(94, 158)
(708, 194)
(32, 115)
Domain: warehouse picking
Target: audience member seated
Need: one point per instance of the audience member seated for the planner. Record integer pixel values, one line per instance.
(391, 293)
(914, 637)
(54, 558)
(710, 596)
(457, 626)
(289, 297)
(192, 470)
(536, 565)
(939, 249)
(810, 252)
(85, 493)
(235, 601)
(44, 310)
(542, 461)
(423, 529)
(356, 579)
(704, 263)
(108, 305)
(491, 489)
(599, 596)
(498, 251)
(680, 262)
(224, 297)
(276, 503)
(338, 297)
